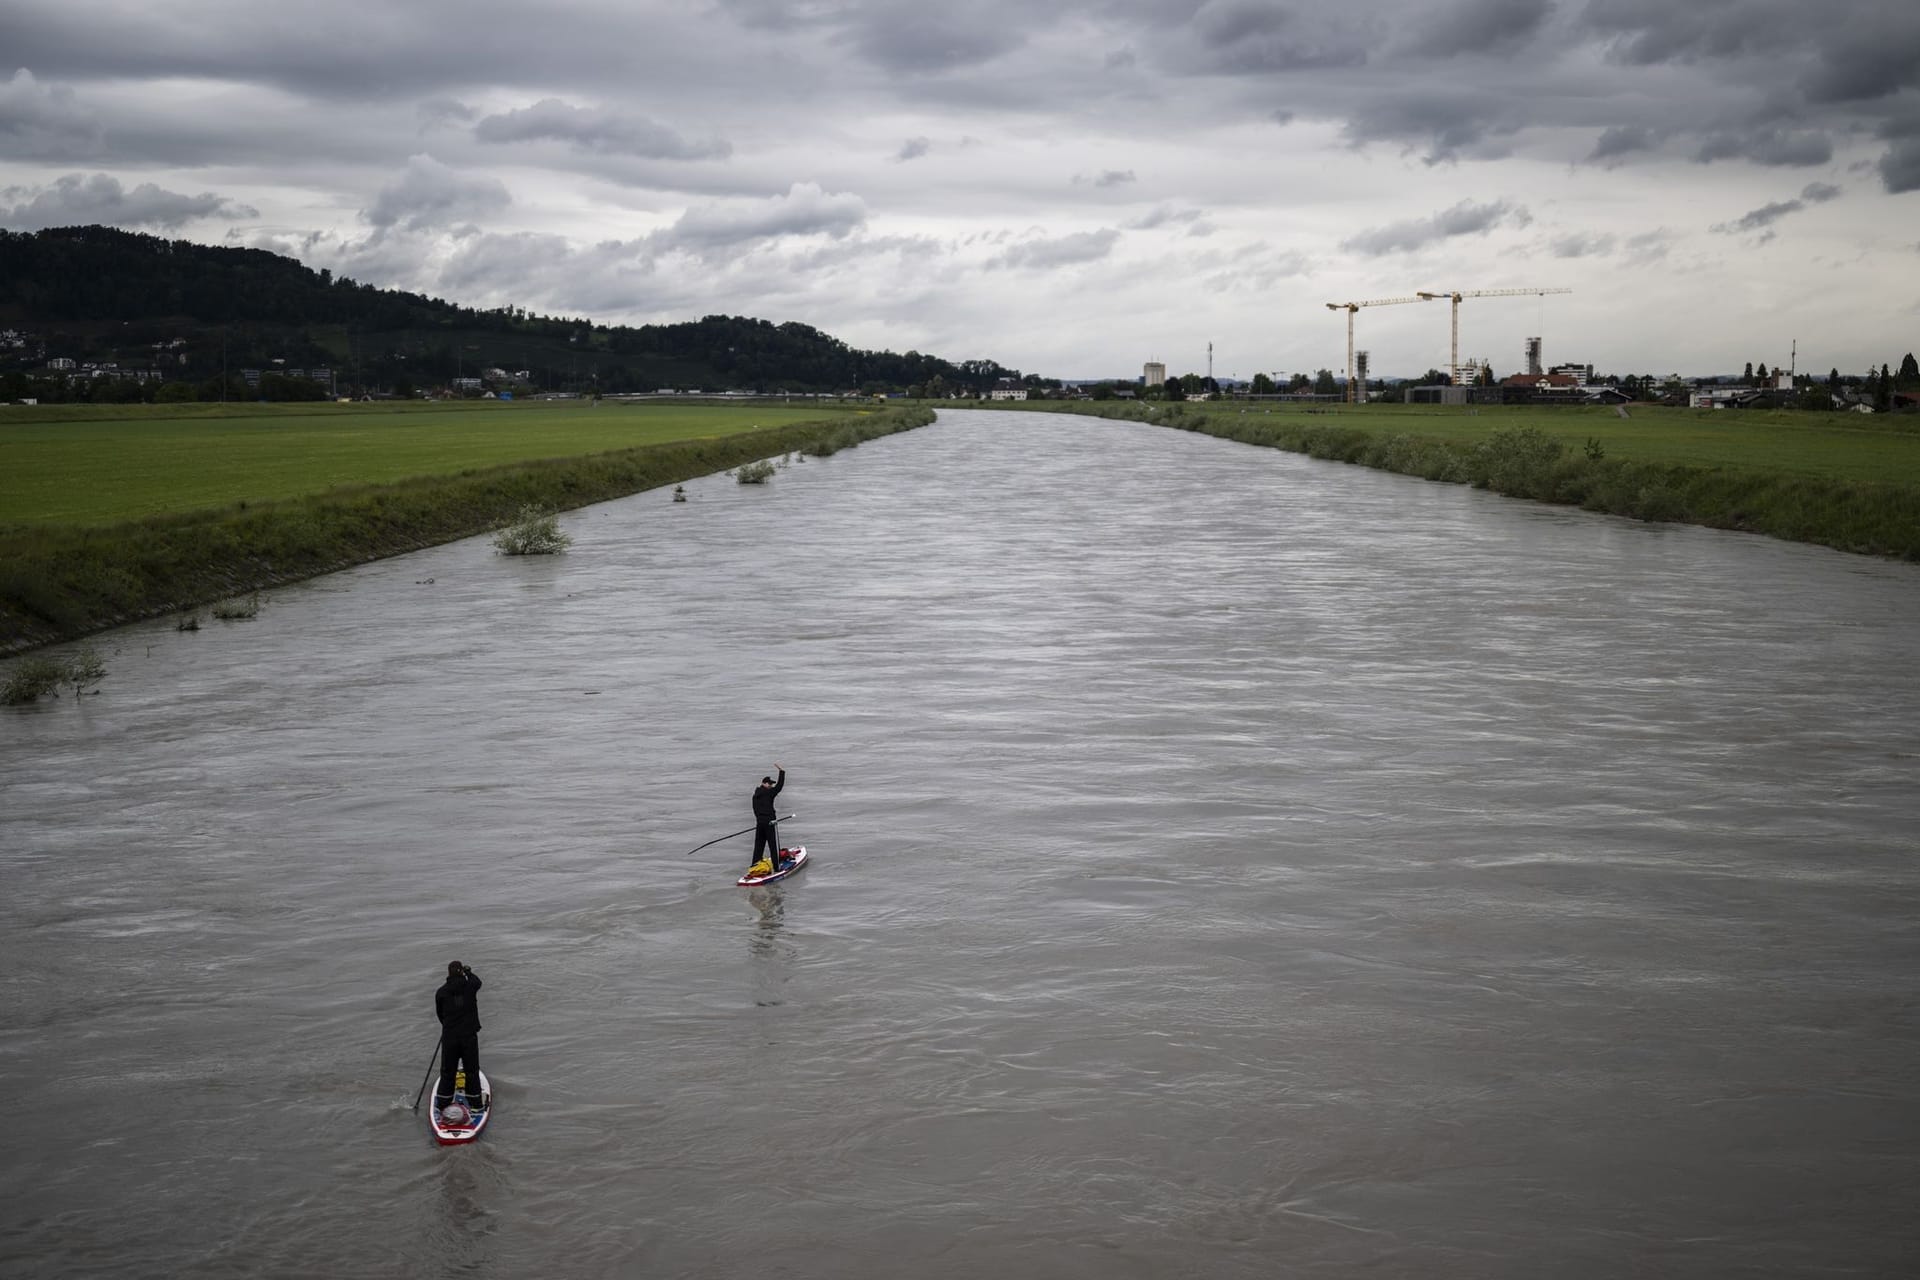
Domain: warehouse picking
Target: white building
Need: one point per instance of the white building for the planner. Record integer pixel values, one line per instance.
(1154, 373)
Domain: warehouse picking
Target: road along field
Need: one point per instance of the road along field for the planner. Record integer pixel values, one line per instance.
(97, 465)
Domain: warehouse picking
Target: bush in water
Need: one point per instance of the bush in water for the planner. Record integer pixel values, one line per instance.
(40, 674)
(534, 532)
(755, 473)
(234, 611)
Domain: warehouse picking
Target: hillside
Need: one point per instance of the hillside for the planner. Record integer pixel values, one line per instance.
(168, 311)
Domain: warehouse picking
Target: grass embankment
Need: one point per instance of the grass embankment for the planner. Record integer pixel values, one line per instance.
(101, 464)
(1839, 480)
(59, 581)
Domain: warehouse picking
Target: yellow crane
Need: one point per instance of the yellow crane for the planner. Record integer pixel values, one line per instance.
(1454, 295)
(1350, 308)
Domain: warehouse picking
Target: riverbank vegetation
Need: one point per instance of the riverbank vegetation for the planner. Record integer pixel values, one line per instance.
(42, 674)
(1839, 480)
(62, 580)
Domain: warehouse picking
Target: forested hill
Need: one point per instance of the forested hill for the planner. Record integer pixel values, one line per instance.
(97, 293)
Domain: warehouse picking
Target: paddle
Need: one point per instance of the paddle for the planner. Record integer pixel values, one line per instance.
(730, 835)
(423, 1082)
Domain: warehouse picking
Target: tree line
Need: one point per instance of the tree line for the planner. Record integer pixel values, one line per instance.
(197, 314)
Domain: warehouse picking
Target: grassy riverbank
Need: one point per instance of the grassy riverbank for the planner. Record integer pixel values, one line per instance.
(1840, 480)
(62, 580)
(102, 464)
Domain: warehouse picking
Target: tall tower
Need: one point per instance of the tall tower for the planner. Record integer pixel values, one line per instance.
(1153, 373)
(1360, 371)
(1533, 358)
(1209, 364)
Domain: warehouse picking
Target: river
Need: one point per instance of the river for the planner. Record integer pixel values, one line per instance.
(1226, 864)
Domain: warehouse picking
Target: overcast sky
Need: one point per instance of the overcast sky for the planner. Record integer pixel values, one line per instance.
(1069, 187)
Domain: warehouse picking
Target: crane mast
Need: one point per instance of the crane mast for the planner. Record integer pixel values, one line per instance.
(1350, 308)
(1454, 296)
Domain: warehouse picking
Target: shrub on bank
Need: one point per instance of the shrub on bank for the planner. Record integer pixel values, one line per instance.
(755, 472)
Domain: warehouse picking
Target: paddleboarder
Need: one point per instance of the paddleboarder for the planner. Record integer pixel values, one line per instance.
(766, 831)
(458, 1006)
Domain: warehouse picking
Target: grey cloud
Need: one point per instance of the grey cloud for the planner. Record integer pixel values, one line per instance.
(78, 199)
(596, 130)
(1463, 219)
(1281, 116)
(1106, 178)
(1767, 214)
(1820, 192)
(44, 120)
(1164, 215)
(1861, 60)
(1582, 244)
(1447, 122)
(910, 38)
(1645, 32)
(1794, 148)
(1059, 251)
(1120, 60)
(1900, 166)
(1501, 27)
(430, 194)
(1647, 247)
(1253, 37)
(1624, 139)
(914, 148)
(805, 210)
(438, 112)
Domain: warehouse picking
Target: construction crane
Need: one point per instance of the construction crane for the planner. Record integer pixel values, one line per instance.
(1454, 295)
(1350, 308)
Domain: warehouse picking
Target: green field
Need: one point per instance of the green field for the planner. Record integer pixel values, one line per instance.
(99, 465)
(1838, 446)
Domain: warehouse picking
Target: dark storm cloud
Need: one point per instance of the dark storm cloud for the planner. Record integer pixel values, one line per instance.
(913, 149)
(1500, 27)
(1802, 80)
(1058, 251)
(78, 199)
(1463, 219)
(597, 130)
(1252, 37)
(1900, 166)
(430, 194)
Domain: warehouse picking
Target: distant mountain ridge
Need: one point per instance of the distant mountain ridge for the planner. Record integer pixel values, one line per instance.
(97, 292)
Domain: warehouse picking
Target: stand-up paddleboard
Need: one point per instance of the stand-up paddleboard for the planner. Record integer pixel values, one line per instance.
(461, 1118)
(791, 860)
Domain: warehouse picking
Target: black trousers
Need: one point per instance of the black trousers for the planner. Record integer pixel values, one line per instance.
(767, 836)
(464, 1050)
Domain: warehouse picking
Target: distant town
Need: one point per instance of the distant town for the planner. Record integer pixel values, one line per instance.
(32, 372)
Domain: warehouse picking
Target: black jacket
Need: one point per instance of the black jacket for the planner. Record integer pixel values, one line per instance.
(457, 1005)
(763, 798)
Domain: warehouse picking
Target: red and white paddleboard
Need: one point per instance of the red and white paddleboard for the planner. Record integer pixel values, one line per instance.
(791, 860)
(456, 1120)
